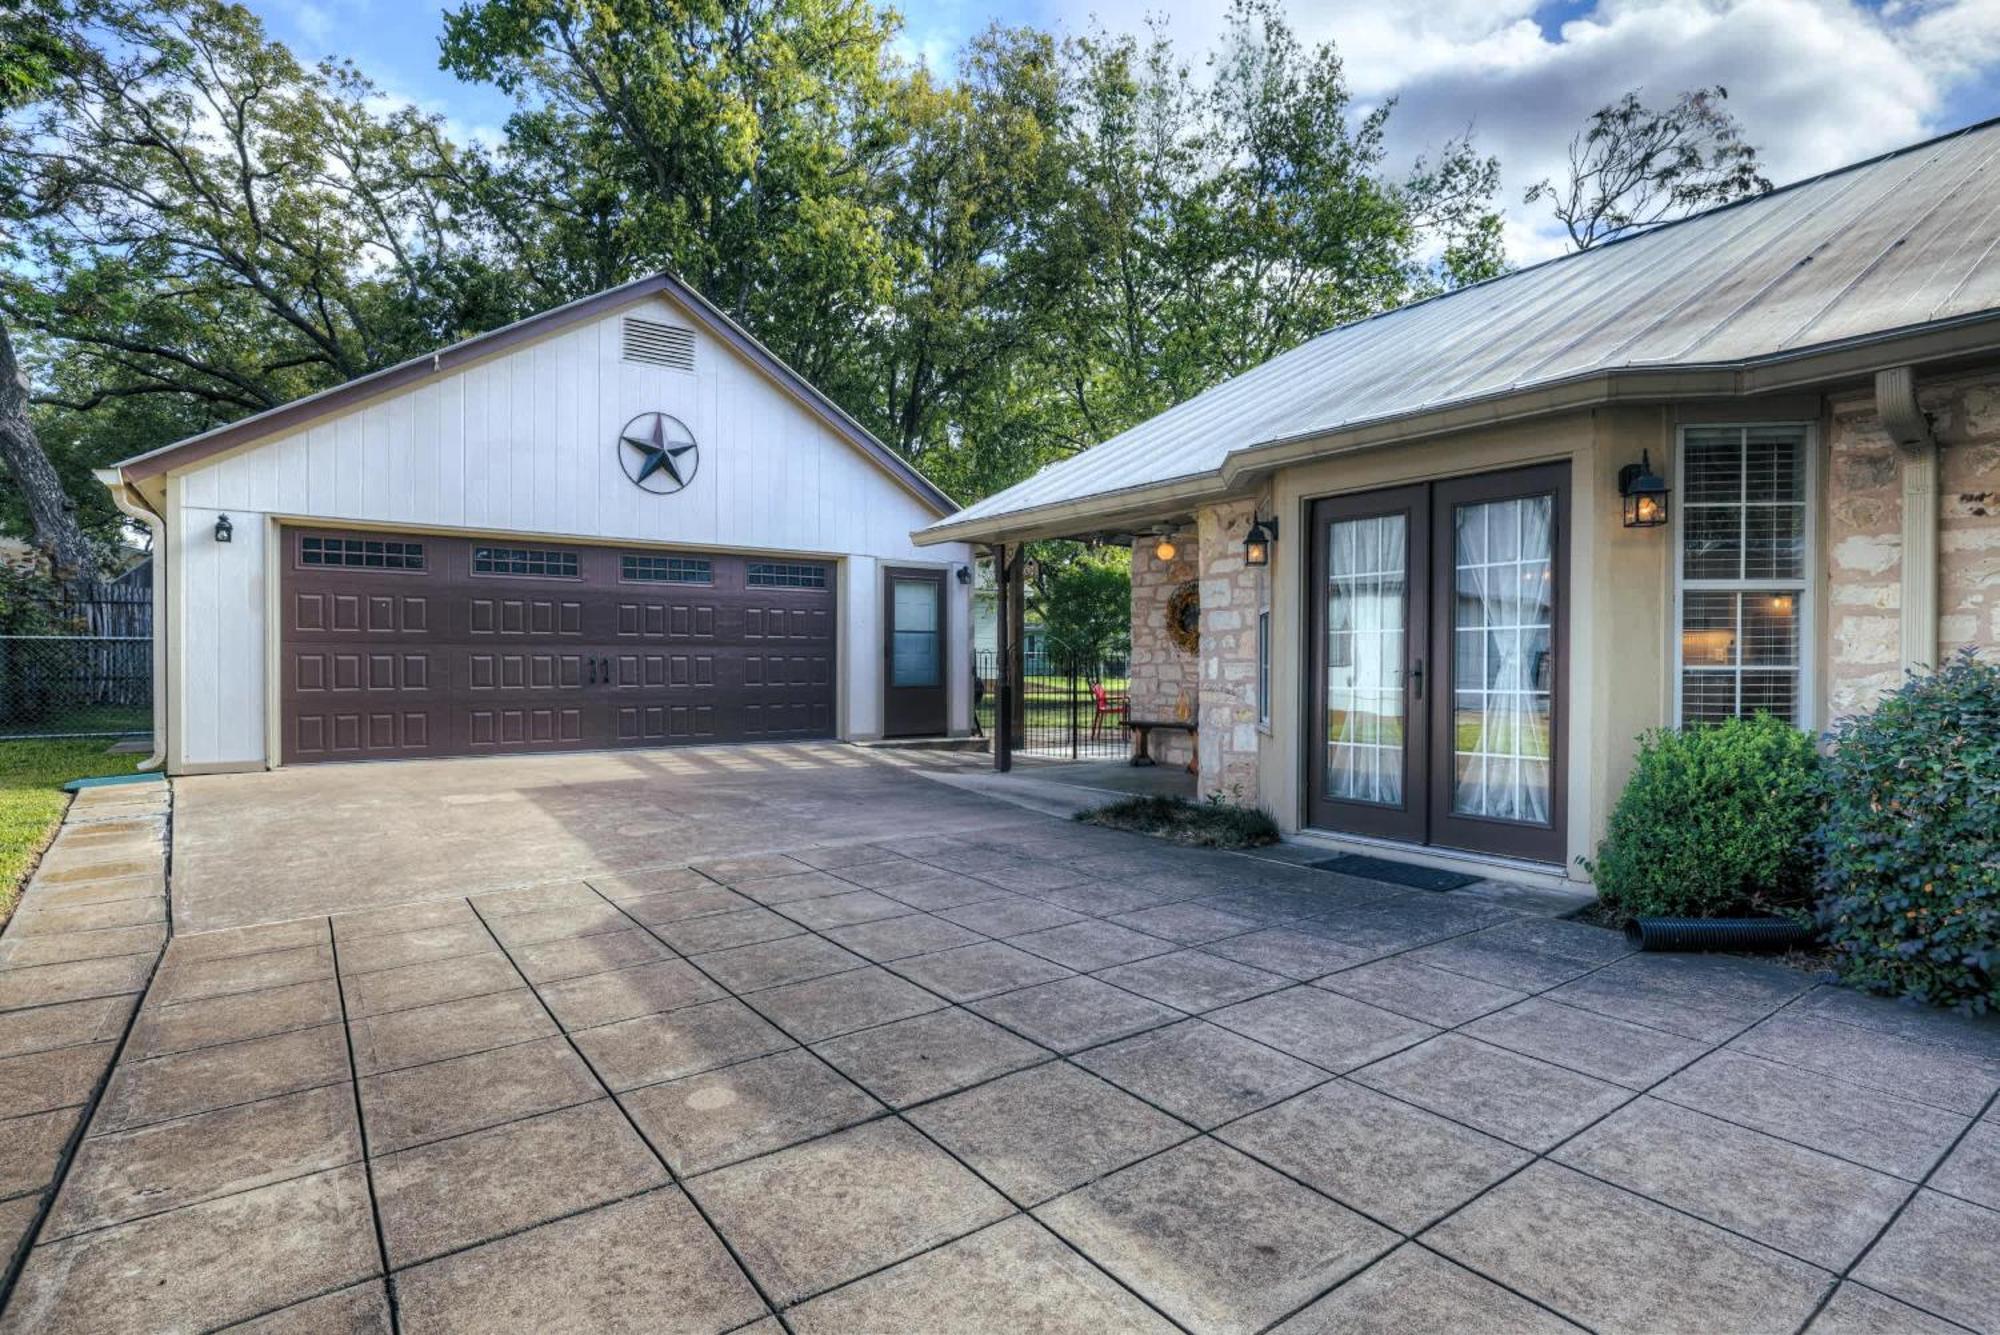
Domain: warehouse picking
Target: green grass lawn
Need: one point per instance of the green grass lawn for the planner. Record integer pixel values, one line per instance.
(32, 801)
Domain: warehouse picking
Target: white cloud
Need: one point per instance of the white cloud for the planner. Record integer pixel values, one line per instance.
(1816, 83)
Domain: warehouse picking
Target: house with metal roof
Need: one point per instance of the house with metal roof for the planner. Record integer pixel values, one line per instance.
(1417, 585)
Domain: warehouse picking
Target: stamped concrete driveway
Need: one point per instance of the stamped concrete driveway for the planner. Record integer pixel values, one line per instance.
(253, 848)
(996, 1072)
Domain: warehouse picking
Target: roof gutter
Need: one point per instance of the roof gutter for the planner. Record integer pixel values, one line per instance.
(1910, 427)
(1246, 467)
(128, 500)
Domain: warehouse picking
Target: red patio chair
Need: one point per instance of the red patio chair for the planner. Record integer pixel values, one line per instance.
(1108, 706)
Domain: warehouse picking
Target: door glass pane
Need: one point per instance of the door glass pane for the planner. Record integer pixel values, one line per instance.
(1502, 659)
(913, 656)
(1366, 624)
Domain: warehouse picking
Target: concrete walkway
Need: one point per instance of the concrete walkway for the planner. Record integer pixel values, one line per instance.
(1019, 1076)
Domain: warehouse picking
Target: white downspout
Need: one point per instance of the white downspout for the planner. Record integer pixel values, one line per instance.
(127, 498)
(1896, 406)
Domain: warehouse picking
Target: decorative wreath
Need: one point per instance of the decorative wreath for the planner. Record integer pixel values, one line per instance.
(1184, 617)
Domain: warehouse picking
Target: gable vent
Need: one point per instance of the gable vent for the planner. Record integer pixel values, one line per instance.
(658, 344)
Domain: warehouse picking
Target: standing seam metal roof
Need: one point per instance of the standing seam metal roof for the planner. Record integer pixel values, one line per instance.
(1894, 243)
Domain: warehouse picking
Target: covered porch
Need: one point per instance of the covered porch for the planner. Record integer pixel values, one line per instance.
(1189, 714)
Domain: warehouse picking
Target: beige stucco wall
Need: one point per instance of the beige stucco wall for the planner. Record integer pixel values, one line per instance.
(1863, 552)
(1165, 684)
(1622, 632)
(1620, 603)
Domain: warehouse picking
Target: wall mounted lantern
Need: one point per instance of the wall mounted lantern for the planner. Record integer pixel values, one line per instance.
(1644, 493)
(224, 530)
(963, 574)
(1164, 548)
(1257, 542)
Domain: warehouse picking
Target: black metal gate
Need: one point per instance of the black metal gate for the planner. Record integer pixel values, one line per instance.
(1072, 708)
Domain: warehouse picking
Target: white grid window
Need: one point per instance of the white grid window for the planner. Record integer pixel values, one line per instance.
(1744, 570)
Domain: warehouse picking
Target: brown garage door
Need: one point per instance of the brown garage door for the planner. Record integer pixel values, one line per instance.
(403, 645)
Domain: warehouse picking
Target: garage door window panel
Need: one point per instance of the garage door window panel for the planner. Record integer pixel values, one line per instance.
(666, 569)
(531, 562)
(784, 575)
(361, 553)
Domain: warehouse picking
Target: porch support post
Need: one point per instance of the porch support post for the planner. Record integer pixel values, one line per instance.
(1017, 637)
(1003, 667)
(1906, 423)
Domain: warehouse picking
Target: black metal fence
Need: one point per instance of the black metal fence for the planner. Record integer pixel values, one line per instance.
(1072, 708)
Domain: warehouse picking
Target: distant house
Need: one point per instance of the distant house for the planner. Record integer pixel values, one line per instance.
(1748, 461)
(986, 619)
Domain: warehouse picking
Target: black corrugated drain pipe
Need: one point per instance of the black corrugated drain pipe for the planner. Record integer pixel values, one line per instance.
(1716, 933)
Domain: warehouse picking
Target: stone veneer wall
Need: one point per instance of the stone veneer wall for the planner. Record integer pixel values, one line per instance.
(1231, 595)
(1164, 683)
(1864, 540)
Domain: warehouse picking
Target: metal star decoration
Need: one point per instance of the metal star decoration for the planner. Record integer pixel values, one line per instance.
(664, 453)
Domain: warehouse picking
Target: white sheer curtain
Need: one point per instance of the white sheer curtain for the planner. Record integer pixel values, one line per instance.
(1367, 578)
(1502, 620)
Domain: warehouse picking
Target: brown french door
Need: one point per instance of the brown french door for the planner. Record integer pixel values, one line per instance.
(1436, 660)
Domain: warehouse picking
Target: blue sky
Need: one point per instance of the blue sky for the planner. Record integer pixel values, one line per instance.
(1817, 83)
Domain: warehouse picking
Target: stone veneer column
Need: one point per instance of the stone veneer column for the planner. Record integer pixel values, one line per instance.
(1864, 545)
(1163, 678)
(1231, 596)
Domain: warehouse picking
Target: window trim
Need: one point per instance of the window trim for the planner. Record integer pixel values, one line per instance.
(1807, 587)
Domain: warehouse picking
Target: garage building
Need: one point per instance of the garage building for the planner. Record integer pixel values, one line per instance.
(620, 523)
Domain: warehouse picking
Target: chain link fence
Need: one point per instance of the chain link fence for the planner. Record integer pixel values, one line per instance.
(75, 685)
(77, 660)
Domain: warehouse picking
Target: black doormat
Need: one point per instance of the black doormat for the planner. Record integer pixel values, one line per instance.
(1396, 873)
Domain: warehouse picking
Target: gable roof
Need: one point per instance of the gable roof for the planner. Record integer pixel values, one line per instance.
(1903, 242)
(287, 417)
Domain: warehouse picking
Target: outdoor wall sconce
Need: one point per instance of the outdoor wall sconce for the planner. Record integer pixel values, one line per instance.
(1644, 493)
(963, 574)
(1257, 542)
(1164, 548)
(224, 530)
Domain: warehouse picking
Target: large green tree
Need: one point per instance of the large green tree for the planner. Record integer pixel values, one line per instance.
(736, 142)
(1217, 223)
(35, 52)
(991, 264)
(203, 227)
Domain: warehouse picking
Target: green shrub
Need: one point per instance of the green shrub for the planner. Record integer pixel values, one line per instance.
(1912, 840)
(1715, 822)
(1215, 823)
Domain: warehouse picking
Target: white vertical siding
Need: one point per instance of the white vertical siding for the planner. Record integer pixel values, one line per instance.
(526, 442)
(221, 605)
(861, 649)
